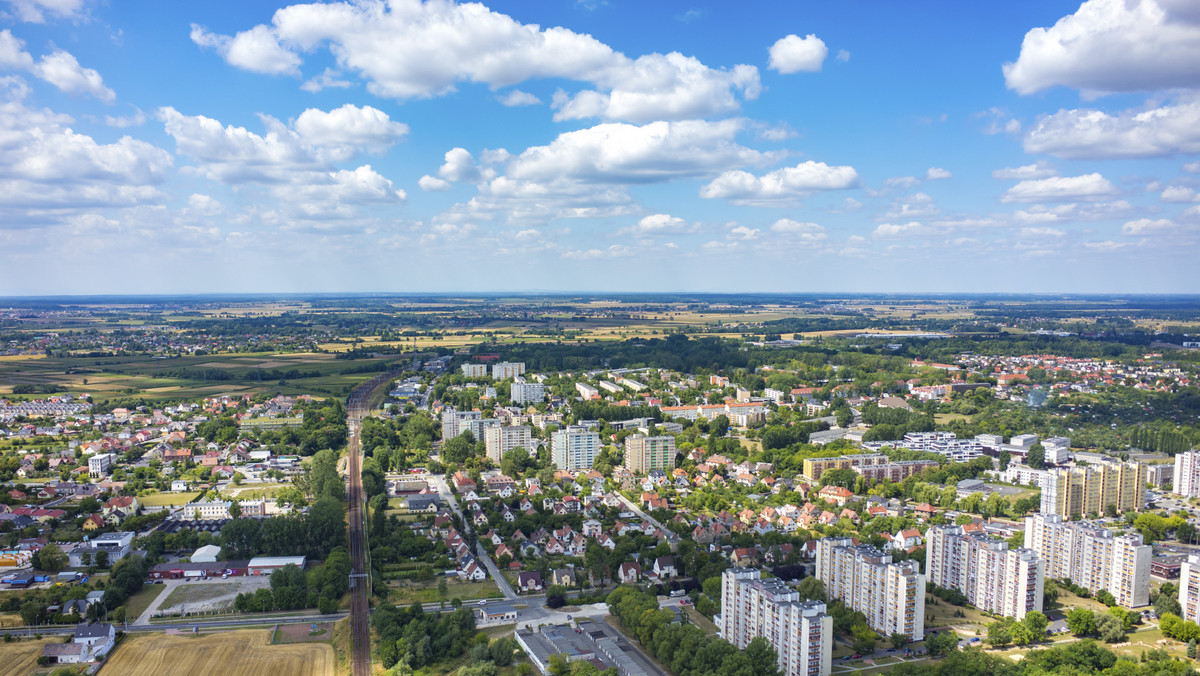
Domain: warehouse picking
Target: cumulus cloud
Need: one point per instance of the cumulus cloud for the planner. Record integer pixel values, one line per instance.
(1178, 193)
(1042, 232)
(257, 50)
(433, 184)
(613, 251)
(741, 232)
(407, 50)
(459, 165)
(329, 79)
(345, 130)
(902, 182)
(805, 232)
(59, 68)
(1061, 213)
(899, 230)
(35, 11)
(1061, 189)
(1112, 46)
(1192, 167)
(781, 185)
(935, 173)
(914, 206)
(795, 54)
(12, 52)
(1040, 169)
(662, 224)
(1094, 134)
(518, 98)
(1144, 227)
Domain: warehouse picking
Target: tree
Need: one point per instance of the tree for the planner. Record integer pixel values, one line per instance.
(1166, 600)
(326, 524)
(1036, 622)
(49, 558)
(999, 633)
(241, 538)
(763, 659)
(1081, 621)
(1037, 456)
(102, 559)
(864, 638)
(1110, 628)
(898, 640)
(235, 510)
(441, 590)
(1005, 458)
(811, 589)
(323, 477)
(514, 462)
(839, 477)
(1104, 596)
(942, 643)
(1186, 533)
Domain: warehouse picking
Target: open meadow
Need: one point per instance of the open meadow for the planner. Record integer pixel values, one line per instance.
(236, 653)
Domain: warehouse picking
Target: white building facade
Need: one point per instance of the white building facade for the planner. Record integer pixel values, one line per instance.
(1092, 557)
(891, 595)
(993, 577)
(800, 631)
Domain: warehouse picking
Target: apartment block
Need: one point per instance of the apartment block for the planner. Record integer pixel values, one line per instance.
(455, 422)
(1088, 490)
(894, 471)
(574, 448)
(1092, 557)
(890, 594)
(508, 369)
(993, 577)
(527, 393)
(643, 453)
(800, 631)
(99, 464)
(1187, 474)
(814, 467)
(587, 391)
(501, 440)
(475, 370)
(1189, 588)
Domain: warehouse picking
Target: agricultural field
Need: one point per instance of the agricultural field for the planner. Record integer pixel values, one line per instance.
(168, 499)
(19, 658)
(236, 653)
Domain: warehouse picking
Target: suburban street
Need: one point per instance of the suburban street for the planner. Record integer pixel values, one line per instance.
(501, 583)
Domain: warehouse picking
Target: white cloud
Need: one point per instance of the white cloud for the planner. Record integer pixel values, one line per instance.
(902, 182)
(203, 205)
(459, 165)
(433, 184)
(613, 251)
(626, 153)
(257, 50)
(12, 52)
(122, 121)
(35, 11)
(785, 184)
(1061, 213)
(913, 206)
(805, 232)
(843, 55)
(935, 173)
(1178, 193)
(1192, 167)
(1060, 189)
(62, 70)
(1041, 169)
(329, 79)
(518, 98)
(794, 54)
(1042, 232)
(345, 130)
(1094, 134)
(662, 224)
(741, 232)
(1112, 46)
(1145, 227)
(899, 230)
(410, 49)
(1107, 245)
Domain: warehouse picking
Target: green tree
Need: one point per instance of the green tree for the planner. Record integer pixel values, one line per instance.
(1110, 628)
(999, 633)
(942, 643)
(1037, 456)
(898, 640)
(49, 558)
(1081, 621)
(811, 589)
(763, 658)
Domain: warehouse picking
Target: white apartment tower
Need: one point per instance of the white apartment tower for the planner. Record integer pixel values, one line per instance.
(1189, 588)
(800, 631)
(474, 370)
(993, 577)
(508, 369)
(643, 453)
(527, 393)
(1187, 474)
(1092, 557)
(501, 440)
(574, 447)
(891, 595)
(455, 422)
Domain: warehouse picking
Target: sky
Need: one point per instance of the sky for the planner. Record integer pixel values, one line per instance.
(599, 145)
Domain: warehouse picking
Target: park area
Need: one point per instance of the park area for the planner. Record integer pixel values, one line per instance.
(236, 653)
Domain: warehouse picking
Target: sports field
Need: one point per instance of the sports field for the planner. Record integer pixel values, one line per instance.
(236, 653)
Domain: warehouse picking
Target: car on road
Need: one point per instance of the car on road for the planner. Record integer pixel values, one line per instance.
(685, 602)
(856, 656)
(482, 602)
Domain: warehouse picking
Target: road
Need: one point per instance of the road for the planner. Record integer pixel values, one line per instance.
(357, 408)
(638, 510)
(501, 582)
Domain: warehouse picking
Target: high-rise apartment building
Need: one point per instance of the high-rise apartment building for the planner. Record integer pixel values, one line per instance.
(1187, 474)
(527, 393)
(508, 369)
(574, 448)
(453, 421)
(1092, 557)
(475, 370)
(1189, 589)
(643, 453)
(1089, 490)
(993, 577)
(800, 631)
(890, 594)
(501, 440)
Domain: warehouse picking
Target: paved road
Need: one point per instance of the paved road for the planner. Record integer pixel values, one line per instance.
(202, 624)
(501, 583)
(638, 510)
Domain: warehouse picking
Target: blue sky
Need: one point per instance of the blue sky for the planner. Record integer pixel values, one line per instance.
(163, 147)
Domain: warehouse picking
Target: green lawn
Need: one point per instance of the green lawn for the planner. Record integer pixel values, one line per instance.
(139, 602)
(405, 594)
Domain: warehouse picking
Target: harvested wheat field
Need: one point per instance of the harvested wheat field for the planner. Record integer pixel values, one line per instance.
(233, 653)
(19, 658)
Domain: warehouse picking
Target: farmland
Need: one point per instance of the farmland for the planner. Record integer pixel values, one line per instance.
(19, 658)
(237, 653)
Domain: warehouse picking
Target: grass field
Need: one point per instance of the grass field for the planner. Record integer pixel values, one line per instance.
(427, 593)
(19, 658)
(139, 602)
(168, 499)
(235, 653)
(942, 615)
